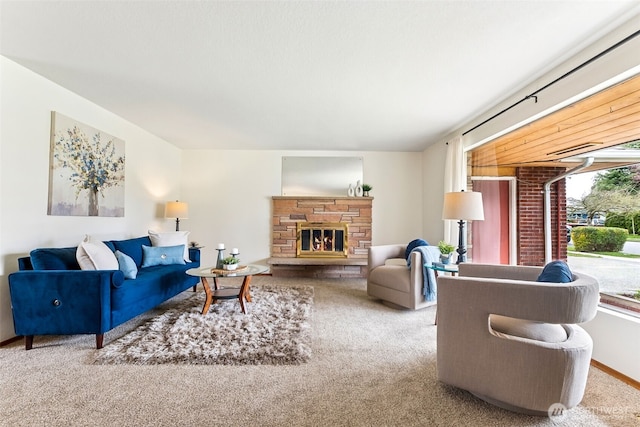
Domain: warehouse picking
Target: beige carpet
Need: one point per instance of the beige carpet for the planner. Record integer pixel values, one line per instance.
(371, 366)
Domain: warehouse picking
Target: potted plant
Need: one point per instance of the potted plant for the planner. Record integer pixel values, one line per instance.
(230, 263)
(365, 190)
(446, 250)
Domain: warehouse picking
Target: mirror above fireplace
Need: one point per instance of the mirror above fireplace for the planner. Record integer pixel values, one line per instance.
(320, 176)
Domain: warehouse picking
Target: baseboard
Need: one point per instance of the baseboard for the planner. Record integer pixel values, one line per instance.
(10, 341)
(618, 375)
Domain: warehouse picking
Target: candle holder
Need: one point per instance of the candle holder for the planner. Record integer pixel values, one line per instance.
(220, 258)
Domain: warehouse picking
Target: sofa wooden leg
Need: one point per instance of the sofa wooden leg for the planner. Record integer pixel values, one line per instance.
(99, 341)
(28, 342)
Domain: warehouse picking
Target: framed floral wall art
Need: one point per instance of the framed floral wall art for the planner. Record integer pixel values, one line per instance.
(86, 172)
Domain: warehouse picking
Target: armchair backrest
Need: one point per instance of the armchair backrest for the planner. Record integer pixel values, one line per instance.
(500, 271)
(512, 291)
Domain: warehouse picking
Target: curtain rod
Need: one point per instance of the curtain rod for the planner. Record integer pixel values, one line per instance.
(562, 77)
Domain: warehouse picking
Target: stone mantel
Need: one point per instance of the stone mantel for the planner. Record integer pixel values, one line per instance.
(321, 198)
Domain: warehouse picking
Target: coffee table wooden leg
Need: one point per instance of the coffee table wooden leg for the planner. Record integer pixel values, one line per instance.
(245, 285)
(208, 295)
(244, 293)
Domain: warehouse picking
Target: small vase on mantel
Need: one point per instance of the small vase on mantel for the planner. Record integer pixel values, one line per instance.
(350, 191)
(358, 189)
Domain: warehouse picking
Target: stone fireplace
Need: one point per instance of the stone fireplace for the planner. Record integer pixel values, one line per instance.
(320, 236)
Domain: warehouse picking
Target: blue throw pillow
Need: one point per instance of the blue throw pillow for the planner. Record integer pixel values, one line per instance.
(127, 265)
(132, 247)
(162, 255)
(412, 245)
(556, 272)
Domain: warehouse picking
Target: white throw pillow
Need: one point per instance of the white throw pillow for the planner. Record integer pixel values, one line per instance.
(172, 238)
(95, 255)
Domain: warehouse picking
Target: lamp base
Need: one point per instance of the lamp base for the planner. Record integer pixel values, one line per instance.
(462, 250)
(177, 224)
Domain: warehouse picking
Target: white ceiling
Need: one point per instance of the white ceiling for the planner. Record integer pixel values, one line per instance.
(300, 75)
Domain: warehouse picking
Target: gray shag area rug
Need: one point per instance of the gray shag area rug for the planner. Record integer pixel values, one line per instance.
(275, 331)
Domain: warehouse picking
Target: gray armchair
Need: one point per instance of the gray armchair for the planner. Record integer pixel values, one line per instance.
(390, 280)
(512, 341)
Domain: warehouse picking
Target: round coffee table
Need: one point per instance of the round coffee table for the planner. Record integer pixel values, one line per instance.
(218, 292)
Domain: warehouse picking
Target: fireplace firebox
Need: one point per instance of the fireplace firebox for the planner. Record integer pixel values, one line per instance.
(322, 239)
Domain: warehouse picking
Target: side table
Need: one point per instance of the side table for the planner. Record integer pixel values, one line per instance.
(442, 268)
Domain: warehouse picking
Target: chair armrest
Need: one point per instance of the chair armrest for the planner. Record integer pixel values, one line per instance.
(379, 254)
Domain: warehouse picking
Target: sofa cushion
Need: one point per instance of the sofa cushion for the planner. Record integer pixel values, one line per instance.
(172, 238)
(127, 265)
(156, 283)
(54, 259)
(556, 272)
(132, 247)
(503, 326)
(95, 255)
(162, 255)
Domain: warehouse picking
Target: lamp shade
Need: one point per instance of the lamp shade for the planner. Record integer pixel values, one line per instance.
(463, 205)
(176, 210)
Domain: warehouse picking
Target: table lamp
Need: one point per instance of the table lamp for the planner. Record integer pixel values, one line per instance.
(176, 210)
(462, 206)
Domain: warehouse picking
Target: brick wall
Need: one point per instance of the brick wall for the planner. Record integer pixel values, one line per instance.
(288, 211)
(531, 215)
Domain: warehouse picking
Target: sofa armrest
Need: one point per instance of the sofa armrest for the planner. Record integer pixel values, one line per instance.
(194, 255)
(24, 263)
(55, 302)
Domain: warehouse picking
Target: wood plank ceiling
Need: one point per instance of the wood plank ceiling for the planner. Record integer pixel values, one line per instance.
(606, 119)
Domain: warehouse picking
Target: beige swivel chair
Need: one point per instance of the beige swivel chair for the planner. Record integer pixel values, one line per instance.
(512, 341)
(390, 280)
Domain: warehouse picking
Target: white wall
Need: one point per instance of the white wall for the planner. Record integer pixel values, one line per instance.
(433, 160)
(615, 341)
(229, 195)
(152, 174)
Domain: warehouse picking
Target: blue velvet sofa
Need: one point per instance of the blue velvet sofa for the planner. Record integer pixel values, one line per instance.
(51, 295)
